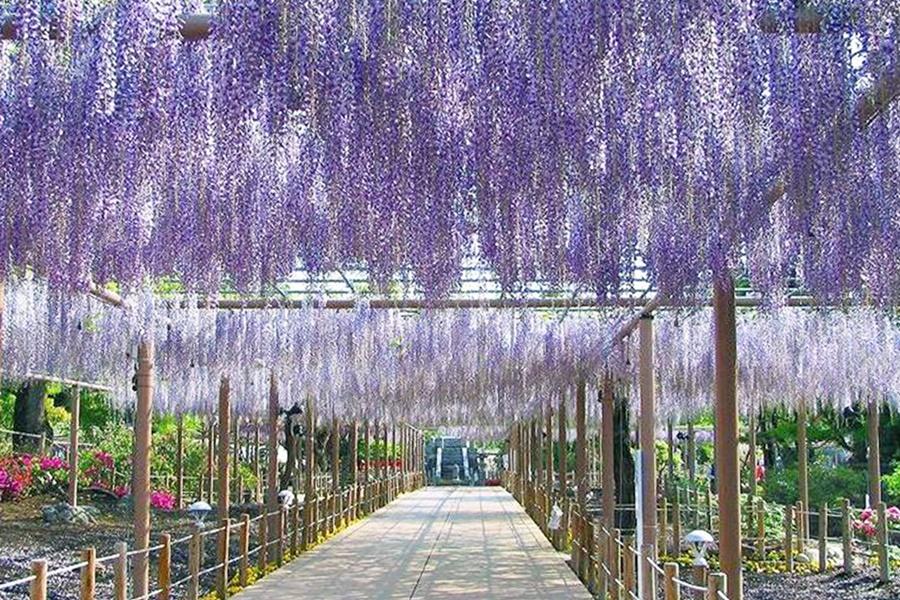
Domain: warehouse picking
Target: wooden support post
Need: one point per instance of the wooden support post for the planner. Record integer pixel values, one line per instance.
(272, 466)
(179, 463)
(803, 470)
(846, 537)
(38, 588)
(354, 470)
(607, 461)
(263, 558)
(279, 546)
(309, 481)
(726, 442)
(236, 458)
(672, 591)
(73, 447)
(761, 529)
(717, 582)
(120, 572)
(548, 466)
(143, 418)
(614, 563)
(210, 460)
(676, 524)
(244, 565)
(295, 529)
(164, 570)
(648, 458)
(670, 456)
(874, 460)
(195, 560)
(884, 563)
(257, 471)
(788, 537)
(800, 542)
(224, 415)
(700, 576)
(662, 542)
(89, 574)
(581, 482)
(709, 510)
(823, 538)
(562, 468)
(335, 472)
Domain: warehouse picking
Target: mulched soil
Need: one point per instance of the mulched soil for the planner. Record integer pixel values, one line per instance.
(828, 586)
(25, 537)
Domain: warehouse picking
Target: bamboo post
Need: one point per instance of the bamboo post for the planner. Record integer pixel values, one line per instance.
(222, 572)
(263, 558)
(716, 583)
(88, 574)
(120, 572)
(788, 537)
(244, 565)
(673, 592)
(74, 425)
(629, 574)
(309, 482)
(179, 463)
(761, 528)
(195, 559)
(38, 588)
(272, 467)
(164, 570)
(607, 461)
(846, 538)
(562, 467)
(224, 484)
(884, 564)
(648, 458)
(823, 537)
(726, 440)
(802, 471)
(874, 454)
(143, 418)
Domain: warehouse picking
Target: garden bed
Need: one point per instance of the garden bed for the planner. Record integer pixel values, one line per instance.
(827, 586)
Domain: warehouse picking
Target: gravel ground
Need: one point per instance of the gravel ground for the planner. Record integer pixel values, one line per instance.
(24, 537)
(829, 586)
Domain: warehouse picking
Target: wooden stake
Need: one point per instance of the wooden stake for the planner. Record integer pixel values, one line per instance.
(673, 592)
(628, 575)
(120, 572)
(354, 470)
(846, 538)
(272, 470)
(648, 458)
(884, 563)
(726, 442)
(761, 528)
(823, 538)
(309, 487)
(73, 447)
(335, 471)
(788, 538)
(88, 573)
(263, 558)
(562, 468)
(38, 589)
(143, 419)
(164, 572)
(195, 559)
(607, 466)
(257, 471)
(717, 582)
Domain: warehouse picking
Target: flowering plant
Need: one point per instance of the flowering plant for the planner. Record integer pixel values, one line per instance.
(15, 476)
(99, 470)
(867, 523)
(162, 500)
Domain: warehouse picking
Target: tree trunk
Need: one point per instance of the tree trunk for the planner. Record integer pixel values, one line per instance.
(624, 464)
(30, 417)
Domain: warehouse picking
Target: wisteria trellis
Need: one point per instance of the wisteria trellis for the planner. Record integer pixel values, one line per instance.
(554, 140)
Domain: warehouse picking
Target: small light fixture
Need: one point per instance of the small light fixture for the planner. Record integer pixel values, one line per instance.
(700, 542)
(286, 497)
(198, 510)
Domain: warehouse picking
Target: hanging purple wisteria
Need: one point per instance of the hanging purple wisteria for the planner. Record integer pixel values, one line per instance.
(554, 141)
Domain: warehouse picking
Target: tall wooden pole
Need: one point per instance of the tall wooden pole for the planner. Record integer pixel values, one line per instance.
(648, 458)
(548, 467)
(272, 471)
(562, 470)
(581, 445)
(872, 425)
(309, 477)
(802, 469)
(73, 446)
(608, 453)
(751, 437)
(140, 460)
(367, 444)
(179, 463)
(726, 442)
(336, 460)
(224, 482)
(354, 467)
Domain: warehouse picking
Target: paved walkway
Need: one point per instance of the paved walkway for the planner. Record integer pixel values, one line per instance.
(473, 543)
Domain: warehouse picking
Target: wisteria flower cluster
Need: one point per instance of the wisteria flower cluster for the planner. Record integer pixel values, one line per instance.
(563, 141)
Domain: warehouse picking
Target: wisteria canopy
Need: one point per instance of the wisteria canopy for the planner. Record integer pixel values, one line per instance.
(478, 368)
(561, 141)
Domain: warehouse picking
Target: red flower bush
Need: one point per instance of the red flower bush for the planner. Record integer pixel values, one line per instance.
(162, 500)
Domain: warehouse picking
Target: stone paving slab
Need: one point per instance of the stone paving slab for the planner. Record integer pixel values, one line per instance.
(436, 543)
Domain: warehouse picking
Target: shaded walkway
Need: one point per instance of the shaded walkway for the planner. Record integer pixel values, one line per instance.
(473, 543)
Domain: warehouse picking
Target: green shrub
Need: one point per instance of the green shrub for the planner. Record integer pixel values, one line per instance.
(826, 485)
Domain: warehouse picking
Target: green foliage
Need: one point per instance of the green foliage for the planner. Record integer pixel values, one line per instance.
(892, 484)
(826, 485)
